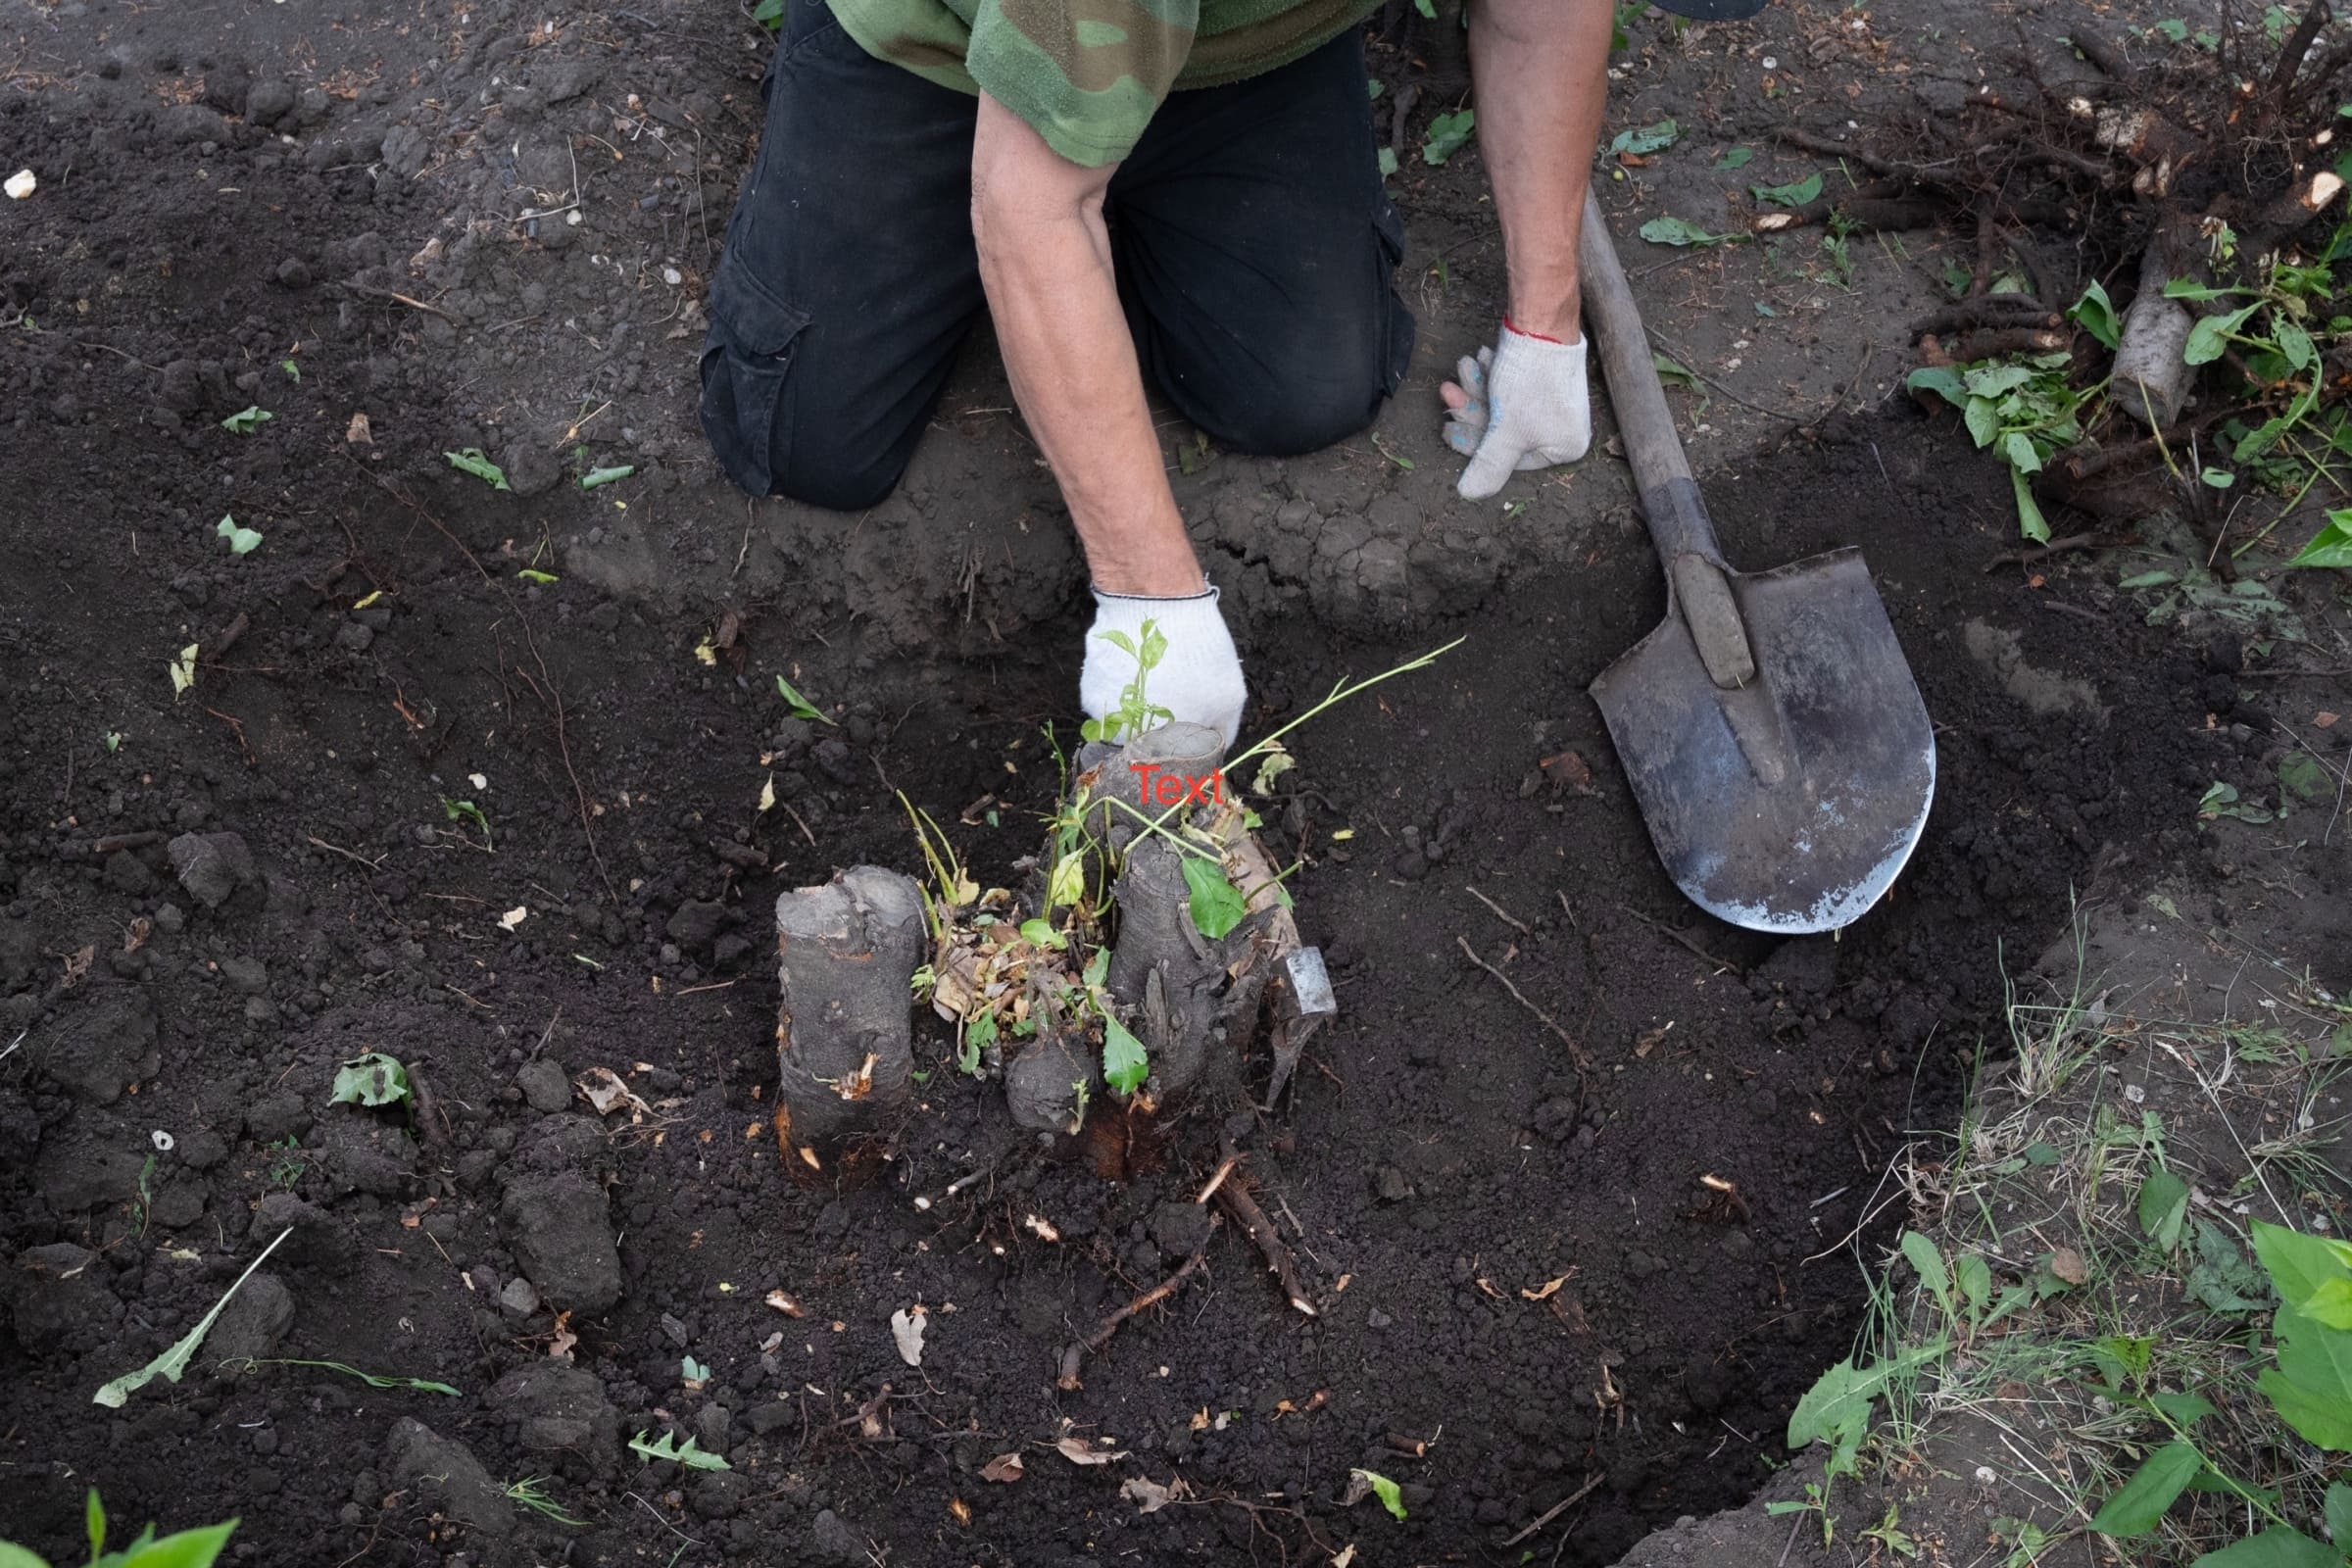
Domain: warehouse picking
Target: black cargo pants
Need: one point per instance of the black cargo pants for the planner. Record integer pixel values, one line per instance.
(1255, 249)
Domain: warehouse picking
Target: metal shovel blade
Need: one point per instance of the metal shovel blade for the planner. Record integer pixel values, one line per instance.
(1790, 803)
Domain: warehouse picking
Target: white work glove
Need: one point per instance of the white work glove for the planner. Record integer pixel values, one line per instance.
(1528, 407)
(1199, 677)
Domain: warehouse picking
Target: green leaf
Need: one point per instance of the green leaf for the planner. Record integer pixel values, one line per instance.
(2030, 520)
(1041, 933)
(12, 1556)
(190, 1549)
(2312, 1384)
(2331, 546)
(94, 1521)
(2187, 1408)
(2294, 344)
(1735, 158)
(801, 707)
(2148, 579)
(2188, 288)
(1941, 379)
(2331, 1305)
(183, 672)
(1067, 885)
(1992, 380)
(1974, 1279)
(1922, 1256)
(1374, 86)
(1391, 1495)
(2339, 1514)
(2301, 775)
(246, 421)
(174, 1361)
(979, 1033)
(2279, 1547)
(474, 461)
(2211, 336)
(688, 1454)
(2172, 28)
(1645, 139)
(2041, 1155)
(769, 13)
(2095, 314)
(1795, 193)
(2162, 1208)
(1217, 904)
(241, 541)
(1672, 231)
(372, 1079)
(1124, 1064)
(1388, 161)
(2299, 1264)
(1982, 419)
(596, 477)
(2139, 1503)
(2018, 448)
(532, 575)
(1447, 134)
(1097, 966)
(2218, 478)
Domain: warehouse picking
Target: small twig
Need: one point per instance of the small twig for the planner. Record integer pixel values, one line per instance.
(1094, 1343)
(1235, 1196)
(555, 702)
(1501, 913)
(1575, 1052)
(786, 806)
(414, 505)
(2059, 546)
(1224, 1169)
(126, 841)
(1682, 938)
(1558, 1509)
(375, 865)
(387, 294)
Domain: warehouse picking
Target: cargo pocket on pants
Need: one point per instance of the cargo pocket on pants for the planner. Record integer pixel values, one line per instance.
(749, 354)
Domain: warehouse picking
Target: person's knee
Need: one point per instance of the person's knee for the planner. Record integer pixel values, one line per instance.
(769, 442)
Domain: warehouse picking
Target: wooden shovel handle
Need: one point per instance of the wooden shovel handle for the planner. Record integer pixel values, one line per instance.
(1635, 393)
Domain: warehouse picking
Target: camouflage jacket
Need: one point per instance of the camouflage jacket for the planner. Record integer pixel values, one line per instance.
(1089, 73)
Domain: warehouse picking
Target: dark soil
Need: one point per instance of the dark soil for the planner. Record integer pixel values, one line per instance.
(379, 657)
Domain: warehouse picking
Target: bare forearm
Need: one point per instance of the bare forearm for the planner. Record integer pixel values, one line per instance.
(1542, 70)
(1044, 260)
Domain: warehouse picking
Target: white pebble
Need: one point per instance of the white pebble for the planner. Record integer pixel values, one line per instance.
(161, 1140)
(20, 184)
(672, 276)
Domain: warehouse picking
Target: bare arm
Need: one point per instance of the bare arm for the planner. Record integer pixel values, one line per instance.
(1542, 74)
(1044, 260)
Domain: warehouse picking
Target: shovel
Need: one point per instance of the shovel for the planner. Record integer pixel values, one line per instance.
(1770, 727)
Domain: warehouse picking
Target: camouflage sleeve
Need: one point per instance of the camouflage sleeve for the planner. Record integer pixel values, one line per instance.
(1087, 73)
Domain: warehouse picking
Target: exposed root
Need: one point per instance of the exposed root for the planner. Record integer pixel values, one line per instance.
(1234, 1197)
(1077, 1352)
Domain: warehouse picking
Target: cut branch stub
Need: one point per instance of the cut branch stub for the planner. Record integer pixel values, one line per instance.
(1152, 773)
(2151, 376)
(845, 953)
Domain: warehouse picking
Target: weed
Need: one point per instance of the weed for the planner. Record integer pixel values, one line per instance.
(468, 812)
(246, 421)
(242, 541)
(113, 741)
(373, 1079)
(474, 461)
(173, 1362)
(1449, 134)
(531, 1493)
(2022, 409)
(293, 370)
(1380, 444)
(1390, 1493)
(1815, 1502)
(286, 1171)
(189, 1548)
(596, 478)
(1837, 251)
(371, 1379)
(1680, 232)
(644, 1446)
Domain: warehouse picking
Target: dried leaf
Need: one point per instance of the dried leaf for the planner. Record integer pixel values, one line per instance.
(359, 433)
(78, 966)
(1568, 770)
(1652, 1039)
(2068, 1265)
(2323, 719)
(1346, 1556)
(602, 1089)
(785, 1304)
(907, 1328)
(1149, 1496)
(961, 1509)
(767, 794)
(1076, 1451)
(559, 1344)
(1548, 1290)
(1005, 1467)
(1042, 1227)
